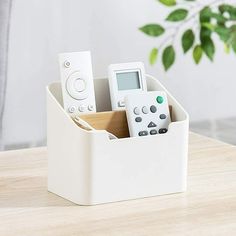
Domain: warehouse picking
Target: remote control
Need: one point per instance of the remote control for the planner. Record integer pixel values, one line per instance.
(77, 82)
(124, 79)
(147, 113)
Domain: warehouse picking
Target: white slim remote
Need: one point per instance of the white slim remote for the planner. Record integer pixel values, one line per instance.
(147, 113)
(77, 82)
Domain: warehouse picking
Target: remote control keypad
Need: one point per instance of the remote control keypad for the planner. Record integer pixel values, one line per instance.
(148, 114)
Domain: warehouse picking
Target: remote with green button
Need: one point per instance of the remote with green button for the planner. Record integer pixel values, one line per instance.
(147, 113)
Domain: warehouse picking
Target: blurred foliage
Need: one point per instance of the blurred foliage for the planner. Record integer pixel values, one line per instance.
(216, 17)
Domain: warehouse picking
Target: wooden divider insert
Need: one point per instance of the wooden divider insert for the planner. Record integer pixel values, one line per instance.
(114, 122)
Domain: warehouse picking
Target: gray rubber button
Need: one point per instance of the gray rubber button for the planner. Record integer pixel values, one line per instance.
(145, 110)
(143, 133)
(67, 64)
(72, 109)
(121, 104)
(82, 108)
(153, 109)
(151, 125)
(162, 131)
(162, 116)
(90, 107)
(153, 132)
(138, 119)
(136, 111)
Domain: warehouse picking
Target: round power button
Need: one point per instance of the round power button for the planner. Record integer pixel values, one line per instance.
(67, 64)
(160, 99)
(71, 109)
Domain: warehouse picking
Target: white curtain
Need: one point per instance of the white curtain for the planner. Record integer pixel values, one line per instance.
(5, 10)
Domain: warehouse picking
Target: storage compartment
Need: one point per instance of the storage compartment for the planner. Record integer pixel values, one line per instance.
(88, 168)
(114, 122)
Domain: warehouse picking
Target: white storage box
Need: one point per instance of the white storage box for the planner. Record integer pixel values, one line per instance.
(87, 168)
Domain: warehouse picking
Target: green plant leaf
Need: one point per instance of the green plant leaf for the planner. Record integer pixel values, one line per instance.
(232, 39)
(153, 56)
(230, 9)
(223, 32)
(168, 57)
(219, 18)
(153, 30)
(225, 8)
(188, 40)
(208, 26)
(228, 36)
(168, 3)
(207, 43)
(234, 45)
(205, 15)
(197, 54)
(177, 15)
(204, 32)
(227, 48)
(208, 47)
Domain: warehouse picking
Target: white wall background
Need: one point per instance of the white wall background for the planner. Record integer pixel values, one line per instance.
(40, 29)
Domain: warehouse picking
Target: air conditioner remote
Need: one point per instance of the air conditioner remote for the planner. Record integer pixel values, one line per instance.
(147, 113)
(124, 79)
(77, 82)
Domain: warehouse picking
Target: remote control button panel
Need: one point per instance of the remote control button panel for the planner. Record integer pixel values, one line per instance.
(147, 113)
(77, 82)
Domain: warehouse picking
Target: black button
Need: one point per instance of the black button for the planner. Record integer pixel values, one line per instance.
(143, 133)
(138, 119)
(162, 131)
(153, 131)
(152, 124)
(162, 116)
(153, 109)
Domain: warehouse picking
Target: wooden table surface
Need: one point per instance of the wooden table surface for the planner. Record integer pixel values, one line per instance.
(207, 208)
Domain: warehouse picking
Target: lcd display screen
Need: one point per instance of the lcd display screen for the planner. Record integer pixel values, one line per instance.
(128, 80)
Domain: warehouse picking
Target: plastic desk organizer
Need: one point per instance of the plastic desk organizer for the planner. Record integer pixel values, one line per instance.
(88, 168)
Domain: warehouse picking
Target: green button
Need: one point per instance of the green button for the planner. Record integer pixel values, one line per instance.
(160, 99)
